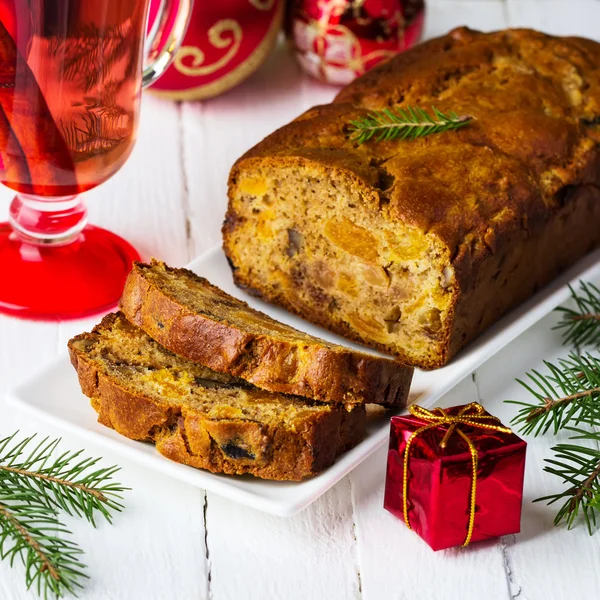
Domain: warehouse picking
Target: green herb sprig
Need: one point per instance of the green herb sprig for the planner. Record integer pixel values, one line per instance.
(35, 483)
(404, 124)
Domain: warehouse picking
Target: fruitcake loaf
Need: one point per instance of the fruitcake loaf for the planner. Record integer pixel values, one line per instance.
(199, 321)
(202, 418)
(415, 247)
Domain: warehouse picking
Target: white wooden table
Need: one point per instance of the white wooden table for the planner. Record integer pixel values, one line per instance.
(176, 542)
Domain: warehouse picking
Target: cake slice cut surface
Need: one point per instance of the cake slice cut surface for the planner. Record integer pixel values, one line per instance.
(197, 320)
(202, 418)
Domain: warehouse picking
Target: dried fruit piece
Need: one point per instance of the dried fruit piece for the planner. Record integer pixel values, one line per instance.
(403, 246)
(253, 186)
(367, 326)
(351, 238)
(347, 284)
(375, 275)
(264, 225)
(431, 321)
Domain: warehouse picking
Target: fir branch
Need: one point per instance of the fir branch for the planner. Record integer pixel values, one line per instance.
(404, 124)
(581, 325)
(579, 467)
(67, 482)
(34, 484)
(31, 531)
(568, 393)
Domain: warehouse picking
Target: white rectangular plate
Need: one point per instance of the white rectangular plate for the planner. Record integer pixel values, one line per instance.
(54, 395)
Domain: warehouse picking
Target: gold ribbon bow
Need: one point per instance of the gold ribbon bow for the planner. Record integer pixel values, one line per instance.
(471, 415)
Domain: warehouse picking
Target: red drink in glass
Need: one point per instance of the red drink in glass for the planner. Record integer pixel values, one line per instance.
(71, 75)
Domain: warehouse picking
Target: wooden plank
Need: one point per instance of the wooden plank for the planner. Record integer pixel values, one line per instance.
(218, 131)
(312, 552)
(393, 561)
(157, 544)
(24, 346)
(543, 561)
(558, 17)
(256, 556)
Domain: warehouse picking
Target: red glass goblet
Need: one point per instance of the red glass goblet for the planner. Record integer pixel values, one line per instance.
(71, 76)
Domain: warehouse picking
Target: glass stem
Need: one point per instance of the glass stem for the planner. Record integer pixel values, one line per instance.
(43, 221)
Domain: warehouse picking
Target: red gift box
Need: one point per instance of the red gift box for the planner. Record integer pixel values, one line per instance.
(464, 475)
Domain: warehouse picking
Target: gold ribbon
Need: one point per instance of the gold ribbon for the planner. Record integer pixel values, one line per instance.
(471, 415)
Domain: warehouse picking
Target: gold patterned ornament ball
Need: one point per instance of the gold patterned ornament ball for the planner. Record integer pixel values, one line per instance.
(225, 43)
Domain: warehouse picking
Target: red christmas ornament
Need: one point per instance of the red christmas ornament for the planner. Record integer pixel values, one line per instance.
(338, 40)
(226, 42)
(455, 476)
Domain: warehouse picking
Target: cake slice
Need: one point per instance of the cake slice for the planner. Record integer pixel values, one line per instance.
(202, 418)
(197, 320)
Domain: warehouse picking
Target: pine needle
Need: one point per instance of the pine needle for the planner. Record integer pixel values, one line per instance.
(404, 124)
(34, 485)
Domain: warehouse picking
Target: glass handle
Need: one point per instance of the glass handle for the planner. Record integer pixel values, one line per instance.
(166, 37)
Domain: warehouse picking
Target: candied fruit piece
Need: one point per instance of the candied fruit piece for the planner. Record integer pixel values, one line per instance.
(347, 284)
(431, 321)
(403, 246)
(253, 186)
(263, 226)
(367, 325)
(351, 238)
(375, 275)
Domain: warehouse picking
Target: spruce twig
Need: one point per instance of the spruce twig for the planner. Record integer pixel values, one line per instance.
(30, 531)
(567, 397)
(404, 124)
(68, 482)
(579, 467)
(34, 485)
(569, 392)
(581, 325)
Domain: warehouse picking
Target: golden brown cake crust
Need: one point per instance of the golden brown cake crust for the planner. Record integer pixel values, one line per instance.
(514, 197)
(188, 435)
(295, 363)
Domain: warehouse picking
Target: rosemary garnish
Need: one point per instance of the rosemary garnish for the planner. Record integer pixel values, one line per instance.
(404, 124)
